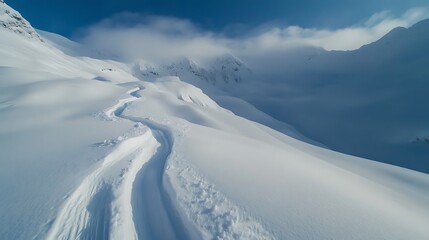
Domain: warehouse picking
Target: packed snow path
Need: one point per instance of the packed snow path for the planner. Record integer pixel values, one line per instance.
(123, 198)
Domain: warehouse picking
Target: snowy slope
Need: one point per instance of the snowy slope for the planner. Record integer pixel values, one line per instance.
(91, 152)
(370, 102)
(14, 22)
(220, 78)
(225, 72)
(293, 189)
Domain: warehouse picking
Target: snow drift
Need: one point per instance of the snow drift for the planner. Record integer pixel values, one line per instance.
(92, 151)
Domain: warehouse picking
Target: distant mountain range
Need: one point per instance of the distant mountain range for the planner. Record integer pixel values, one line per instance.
(92, 148)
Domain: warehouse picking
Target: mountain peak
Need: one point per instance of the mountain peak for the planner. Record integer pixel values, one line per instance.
(220, 71)
(402, 41)
(230, 59)
(12, 20)
(422, 24)
(229, 68)
(186, 62)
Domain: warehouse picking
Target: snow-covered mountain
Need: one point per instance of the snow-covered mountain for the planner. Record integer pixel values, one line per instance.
(369, 102)
(90, 151)
(224, 72)
(14, 22)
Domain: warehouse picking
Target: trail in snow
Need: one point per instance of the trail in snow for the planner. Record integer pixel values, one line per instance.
(152, 206)
(116, 110)
(123, 198)
(126, 196)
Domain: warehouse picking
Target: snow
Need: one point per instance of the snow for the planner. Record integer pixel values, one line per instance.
(368, 103)
(225, 72)
(14, 22)
(244, 109)
(296, 189)
(134, 158)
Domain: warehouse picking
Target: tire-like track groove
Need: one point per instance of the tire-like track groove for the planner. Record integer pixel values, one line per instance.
(124, 198)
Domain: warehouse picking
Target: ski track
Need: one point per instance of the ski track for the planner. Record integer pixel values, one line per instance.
(123, 198)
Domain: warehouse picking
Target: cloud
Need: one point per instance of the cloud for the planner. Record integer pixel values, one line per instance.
(349, 38)
(130, 37)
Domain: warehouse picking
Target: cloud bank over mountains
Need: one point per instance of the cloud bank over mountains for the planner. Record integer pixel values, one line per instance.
(130, 36)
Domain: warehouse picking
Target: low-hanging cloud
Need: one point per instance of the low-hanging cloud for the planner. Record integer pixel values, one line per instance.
(129, 37)
(132, 37)
(349, 38)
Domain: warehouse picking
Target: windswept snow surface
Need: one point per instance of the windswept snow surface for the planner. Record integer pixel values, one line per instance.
(369, 102)
(278, 186)
(126, 158)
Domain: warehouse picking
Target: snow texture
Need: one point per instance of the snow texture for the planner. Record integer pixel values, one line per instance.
(92, 150)
(13, 21)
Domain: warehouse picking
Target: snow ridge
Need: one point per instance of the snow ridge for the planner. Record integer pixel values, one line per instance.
(175, 164)
(130, 195)
(13, 21)
(96, 209)
(207, 208)
(197, 210)
(225, 70)
(110, 201)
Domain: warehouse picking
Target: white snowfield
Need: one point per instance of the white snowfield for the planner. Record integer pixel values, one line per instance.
(89, 151)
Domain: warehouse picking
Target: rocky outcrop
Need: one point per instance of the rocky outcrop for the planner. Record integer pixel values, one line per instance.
(12, 20)
(222, 71)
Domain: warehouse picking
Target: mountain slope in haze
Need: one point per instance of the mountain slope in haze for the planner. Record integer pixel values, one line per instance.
(369, 102)
(220, 78)
(89, 151)
(223, 71)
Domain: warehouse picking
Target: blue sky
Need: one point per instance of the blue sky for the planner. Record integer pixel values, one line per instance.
(233, 17)
(162, 31)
